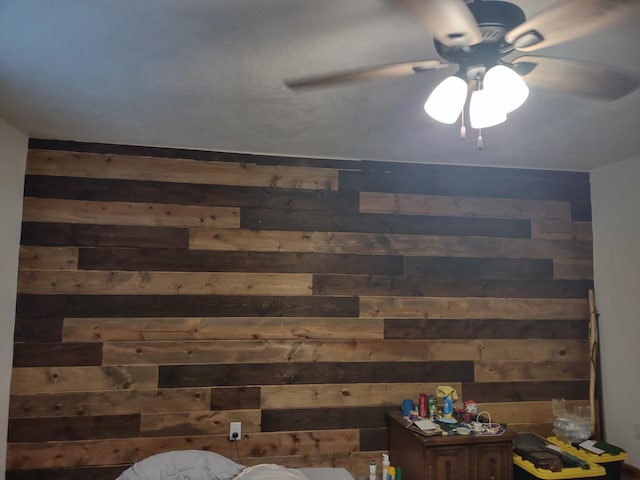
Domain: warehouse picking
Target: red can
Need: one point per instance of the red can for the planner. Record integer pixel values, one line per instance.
(422, 406)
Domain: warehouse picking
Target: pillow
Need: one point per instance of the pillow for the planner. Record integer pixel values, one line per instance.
(268, 471)
(183, 465)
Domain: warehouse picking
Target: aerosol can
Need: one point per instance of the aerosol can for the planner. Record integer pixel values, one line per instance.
(448, 395)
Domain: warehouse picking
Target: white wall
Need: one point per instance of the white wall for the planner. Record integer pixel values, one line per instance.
(615, 197)
(13, 154)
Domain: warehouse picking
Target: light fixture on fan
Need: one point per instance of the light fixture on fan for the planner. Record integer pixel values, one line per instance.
(498, 93)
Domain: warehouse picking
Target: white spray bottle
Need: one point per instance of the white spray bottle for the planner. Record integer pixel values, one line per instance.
(385, 466)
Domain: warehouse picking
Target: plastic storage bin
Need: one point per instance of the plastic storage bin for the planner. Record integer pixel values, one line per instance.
(611, 463)
(525, 470)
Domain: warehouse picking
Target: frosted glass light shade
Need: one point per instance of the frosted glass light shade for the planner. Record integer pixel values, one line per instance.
(483, 112)
(447, 100)
(506, 87)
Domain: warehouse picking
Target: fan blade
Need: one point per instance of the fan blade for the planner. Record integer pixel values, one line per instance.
(450, 21)
(382, 71)
(591, 79)
(568, 20)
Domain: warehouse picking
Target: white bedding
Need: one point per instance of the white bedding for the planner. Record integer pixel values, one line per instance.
(201, 465)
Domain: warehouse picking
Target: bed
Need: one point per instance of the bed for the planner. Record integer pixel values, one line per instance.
(201, 465)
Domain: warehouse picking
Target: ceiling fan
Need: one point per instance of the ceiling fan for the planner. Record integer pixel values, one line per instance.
(477, 35)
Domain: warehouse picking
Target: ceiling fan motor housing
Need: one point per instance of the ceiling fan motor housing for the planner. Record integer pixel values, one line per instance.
(495, 18)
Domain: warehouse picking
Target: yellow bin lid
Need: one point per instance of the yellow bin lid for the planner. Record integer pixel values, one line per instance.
(590, 457)
(594, 470)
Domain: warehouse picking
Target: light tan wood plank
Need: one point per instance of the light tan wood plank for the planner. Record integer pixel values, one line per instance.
(48, 258)
(378, 244)
(525, 370)
(525, 412)
(204, 422)
(126, 451)
(572, 269)
(220, 328)
(474, 308)
(274, 351)
(113, 402)
(82, 379)
(87, 282)
(411, 204)
(561, 230)
(129, 167)
(129, 213)
(342, 395)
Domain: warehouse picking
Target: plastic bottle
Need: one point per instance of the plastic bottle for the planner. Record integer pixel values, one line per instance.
(385, 466)
(372, 470)
(392, 473)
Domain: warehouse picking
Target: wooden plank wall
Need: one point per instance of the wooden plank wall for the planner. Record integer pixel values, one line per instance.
(164, 293)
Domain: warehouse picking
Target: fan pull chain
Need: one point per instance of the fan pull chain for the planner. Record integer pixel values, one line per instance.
(480, 144)
(463, 129)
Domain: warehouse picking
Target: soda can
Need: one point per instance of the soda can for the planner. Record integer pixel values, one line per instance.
(433, 407)
(422, 406)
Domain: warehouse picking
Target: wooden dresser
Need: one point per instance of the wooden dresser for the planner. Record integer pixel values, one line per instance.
(451, 457)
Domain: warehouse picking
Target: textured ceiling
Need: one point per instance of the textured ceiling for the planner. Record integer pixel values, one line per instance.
(207, 74)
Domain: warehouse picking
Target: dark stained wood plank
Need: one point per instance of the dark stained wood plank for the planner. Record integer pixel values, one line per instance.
(235, 261)
(145, 191)
(413, 285)
(323, 418)
(581, 211)
(524, 391)
(235, 398)
(477, 185)
(114, 402)
(410, 169)
(268, 219)
(72, 473)
(64, 234)
(206, 155)
(485, 328)
(452, 267)
(73, 428)
(374, 439)
(56, 354)
(174, 376)
(41, 306)
(41, 327)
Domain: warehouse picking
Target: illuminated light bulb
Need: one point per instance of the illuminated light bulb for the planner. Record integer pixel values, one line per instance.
(506, 87)
(447, 100)
(483, 112)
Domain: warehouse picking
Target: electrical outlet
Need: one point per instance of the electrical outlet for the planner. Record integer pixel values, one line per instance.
(637, 431)
(235, 431)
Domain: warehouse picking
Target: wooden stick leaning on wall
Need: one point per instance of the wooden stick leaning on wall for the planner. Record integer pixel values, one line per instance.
(597, 429)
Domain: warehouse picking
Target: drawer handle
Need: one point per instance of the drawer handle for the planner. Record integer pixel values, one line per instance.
(492, 468)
